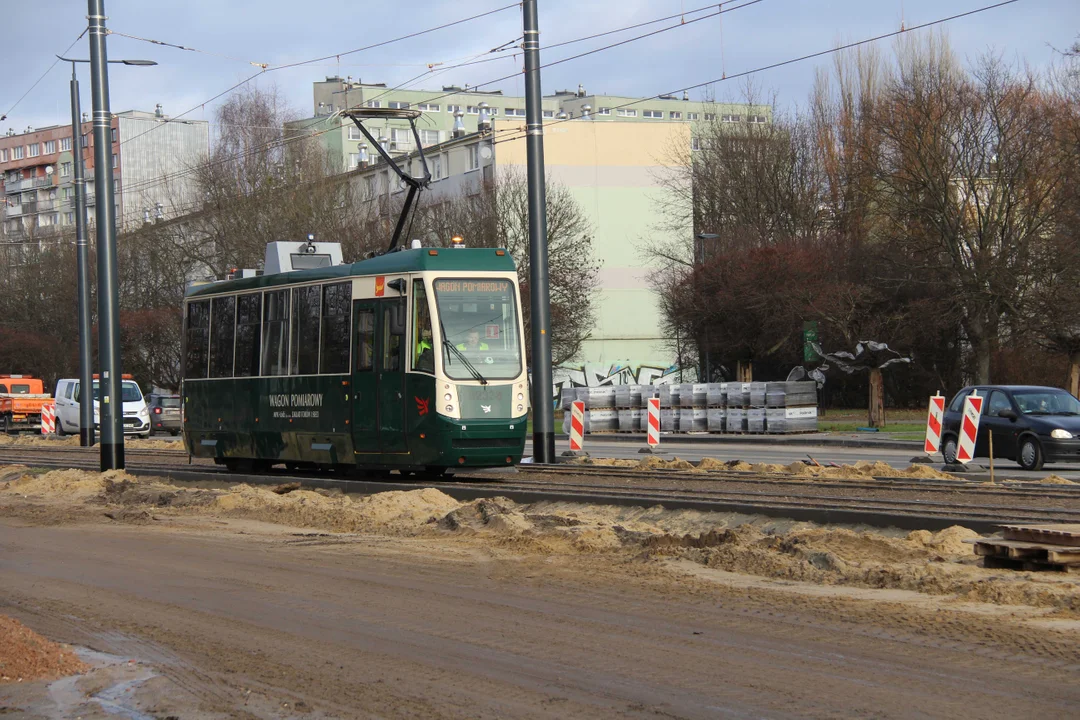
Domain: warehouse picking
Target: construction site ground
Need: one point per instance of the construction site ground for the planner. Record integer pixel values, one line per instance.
(243, 602)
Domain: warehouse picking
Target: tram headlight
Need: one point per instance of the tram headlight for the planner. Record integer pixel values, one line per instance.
(521, 408)
(521, 396)
(449, 408)
(448, 396)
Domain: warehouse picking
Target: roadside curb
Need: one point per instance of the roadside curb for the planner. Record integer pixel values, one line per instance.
(909, 445)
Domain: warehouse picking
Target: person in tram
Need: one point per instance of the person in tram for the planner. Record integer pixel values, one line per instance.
(472, 342)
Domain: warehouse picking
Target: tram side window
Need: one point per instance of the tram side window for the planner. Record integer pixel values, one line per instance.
(275, 326)
(393, 332)
(223, 332)
(306, 307)
(336, 316)
(365, 339)
(198, 339)
(248, 327)
(423, 351)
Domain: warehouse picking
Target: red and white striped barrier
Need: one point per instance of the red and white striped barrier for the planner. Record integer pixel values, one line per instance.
(577, 425)
(969, 428)
(653, 437)
(48, 419)
(933, 424)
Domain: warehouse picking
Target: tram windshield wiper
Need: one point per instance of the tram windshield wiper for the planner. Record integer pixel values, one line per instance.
(461, 356)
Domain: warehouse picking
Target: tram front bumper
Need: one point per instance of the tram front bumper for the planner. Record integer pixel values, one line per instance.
(485, 442)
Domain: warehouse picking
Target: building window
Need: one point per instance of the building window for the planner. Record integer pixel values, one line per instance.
(69, 218)
(115, 159)
(474, 157)
(695, 144)
(603, 111)
(657, 114)
(731, 118)
(437, 167)
(354, 160)
(709, 117)
(33, 150)
(692, 116)
(429, 137)
(354, 133)
(759, 119)
(515, 112)
(65, 193)
(401, 138)
(396, 105)
(493, 111)
(65, 169)
(549, 113)
(428, 107)
(373, 104)
(65, 144)
(472, 110)
(18, 152)
(14, 176)
(86, 140)
(116, 184)
(623, 112)
(3, 155)
(50, 147)
(113, 134)
(675, 115)
(453, 108)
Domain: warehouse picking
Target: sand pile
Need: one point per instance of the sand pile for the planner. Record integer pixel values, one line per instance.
(550, 533)
(389, 511)
(861, 470)
(1056, 480)
(37, 440)
(72, 485)
(148, 444)
(26, 656)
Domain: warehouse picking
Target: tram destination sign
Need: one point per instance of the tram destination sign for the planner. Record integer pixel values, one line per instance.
(472, 286)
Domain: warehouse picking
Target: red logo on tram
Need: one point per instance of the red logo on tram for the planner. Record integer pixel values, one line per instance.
(422, 405)
(380, 285)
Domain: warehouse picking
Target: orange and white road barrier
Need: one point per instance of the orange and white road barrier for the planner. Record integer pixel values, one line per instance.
(48, 419)
(653, 437)
(969, 428)
(577, 425)
(933, 424)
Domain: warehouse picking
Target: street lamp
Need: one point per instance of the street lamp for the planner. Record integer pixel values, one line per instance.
(111, 405)
(699, 262)
(82, 251)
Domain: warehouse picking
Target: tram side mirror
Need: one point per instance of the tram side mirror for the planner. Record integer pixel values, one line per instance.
(397, 318)
(397, 284)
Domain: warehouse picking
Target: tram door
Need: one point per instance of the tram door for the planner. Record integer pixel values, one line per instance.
(391, 375)
(379, 376)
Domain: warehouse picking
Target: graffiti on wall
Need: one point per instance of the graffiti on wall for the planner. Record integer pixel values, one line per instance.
(618, 373)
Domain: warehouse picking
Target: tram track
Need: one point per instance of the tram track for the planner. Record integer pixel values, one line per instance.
(925, 504)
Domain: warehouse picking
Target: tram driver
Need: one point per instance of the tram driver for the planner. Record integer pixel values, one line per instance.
(472, 342)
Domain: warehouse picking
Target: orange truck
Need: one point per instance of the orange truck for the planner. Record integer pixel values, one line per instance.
(21, 399)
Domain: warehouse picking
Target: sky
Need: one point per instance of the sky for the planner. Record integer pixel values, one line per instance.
(235, 33)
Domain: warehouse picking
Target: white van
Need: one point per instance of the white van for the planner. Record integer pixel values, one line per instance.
(136, 415)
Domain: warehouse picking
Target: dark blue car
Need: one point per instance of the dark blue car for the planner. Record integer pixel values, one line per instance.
(1030, 424)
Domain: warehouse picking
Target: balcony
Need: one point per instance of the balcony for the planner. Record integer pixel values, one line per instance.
(18, 186)
(41, 182)
(13, 211)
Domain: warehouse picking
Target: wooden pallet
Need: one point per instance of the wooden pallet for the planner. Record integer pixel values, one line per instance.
(1059, 534)
(1027, 555)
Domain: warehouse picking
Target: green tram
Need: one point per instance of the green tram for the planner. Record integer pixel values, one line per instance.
(412, 360)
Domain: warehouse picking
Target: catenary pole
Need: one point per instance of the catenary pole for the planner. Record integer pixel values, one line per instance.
(540, 302)
(82, 259)
(111, 405)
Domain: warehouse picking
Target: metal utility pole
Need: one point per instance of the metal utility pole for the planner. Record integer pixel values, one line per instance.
(540, 301)
(111, 406)
(82, 255)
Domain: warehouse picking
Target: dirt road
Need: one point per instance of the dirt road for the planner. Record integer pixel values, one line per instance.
(238, 618)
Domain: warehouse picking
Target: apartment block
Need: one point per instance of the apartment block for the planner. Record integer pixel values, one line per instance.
(150, 154)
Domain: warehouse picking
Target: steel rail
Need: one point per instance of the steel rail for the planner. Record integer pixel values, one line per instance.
(846, 510)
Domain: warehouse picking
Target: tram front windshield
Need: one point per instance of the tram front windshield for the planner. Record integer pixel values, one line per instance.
(479, 319)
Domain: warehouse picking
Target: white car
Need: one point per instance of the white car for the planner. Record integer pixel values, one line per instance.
(136, 414)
